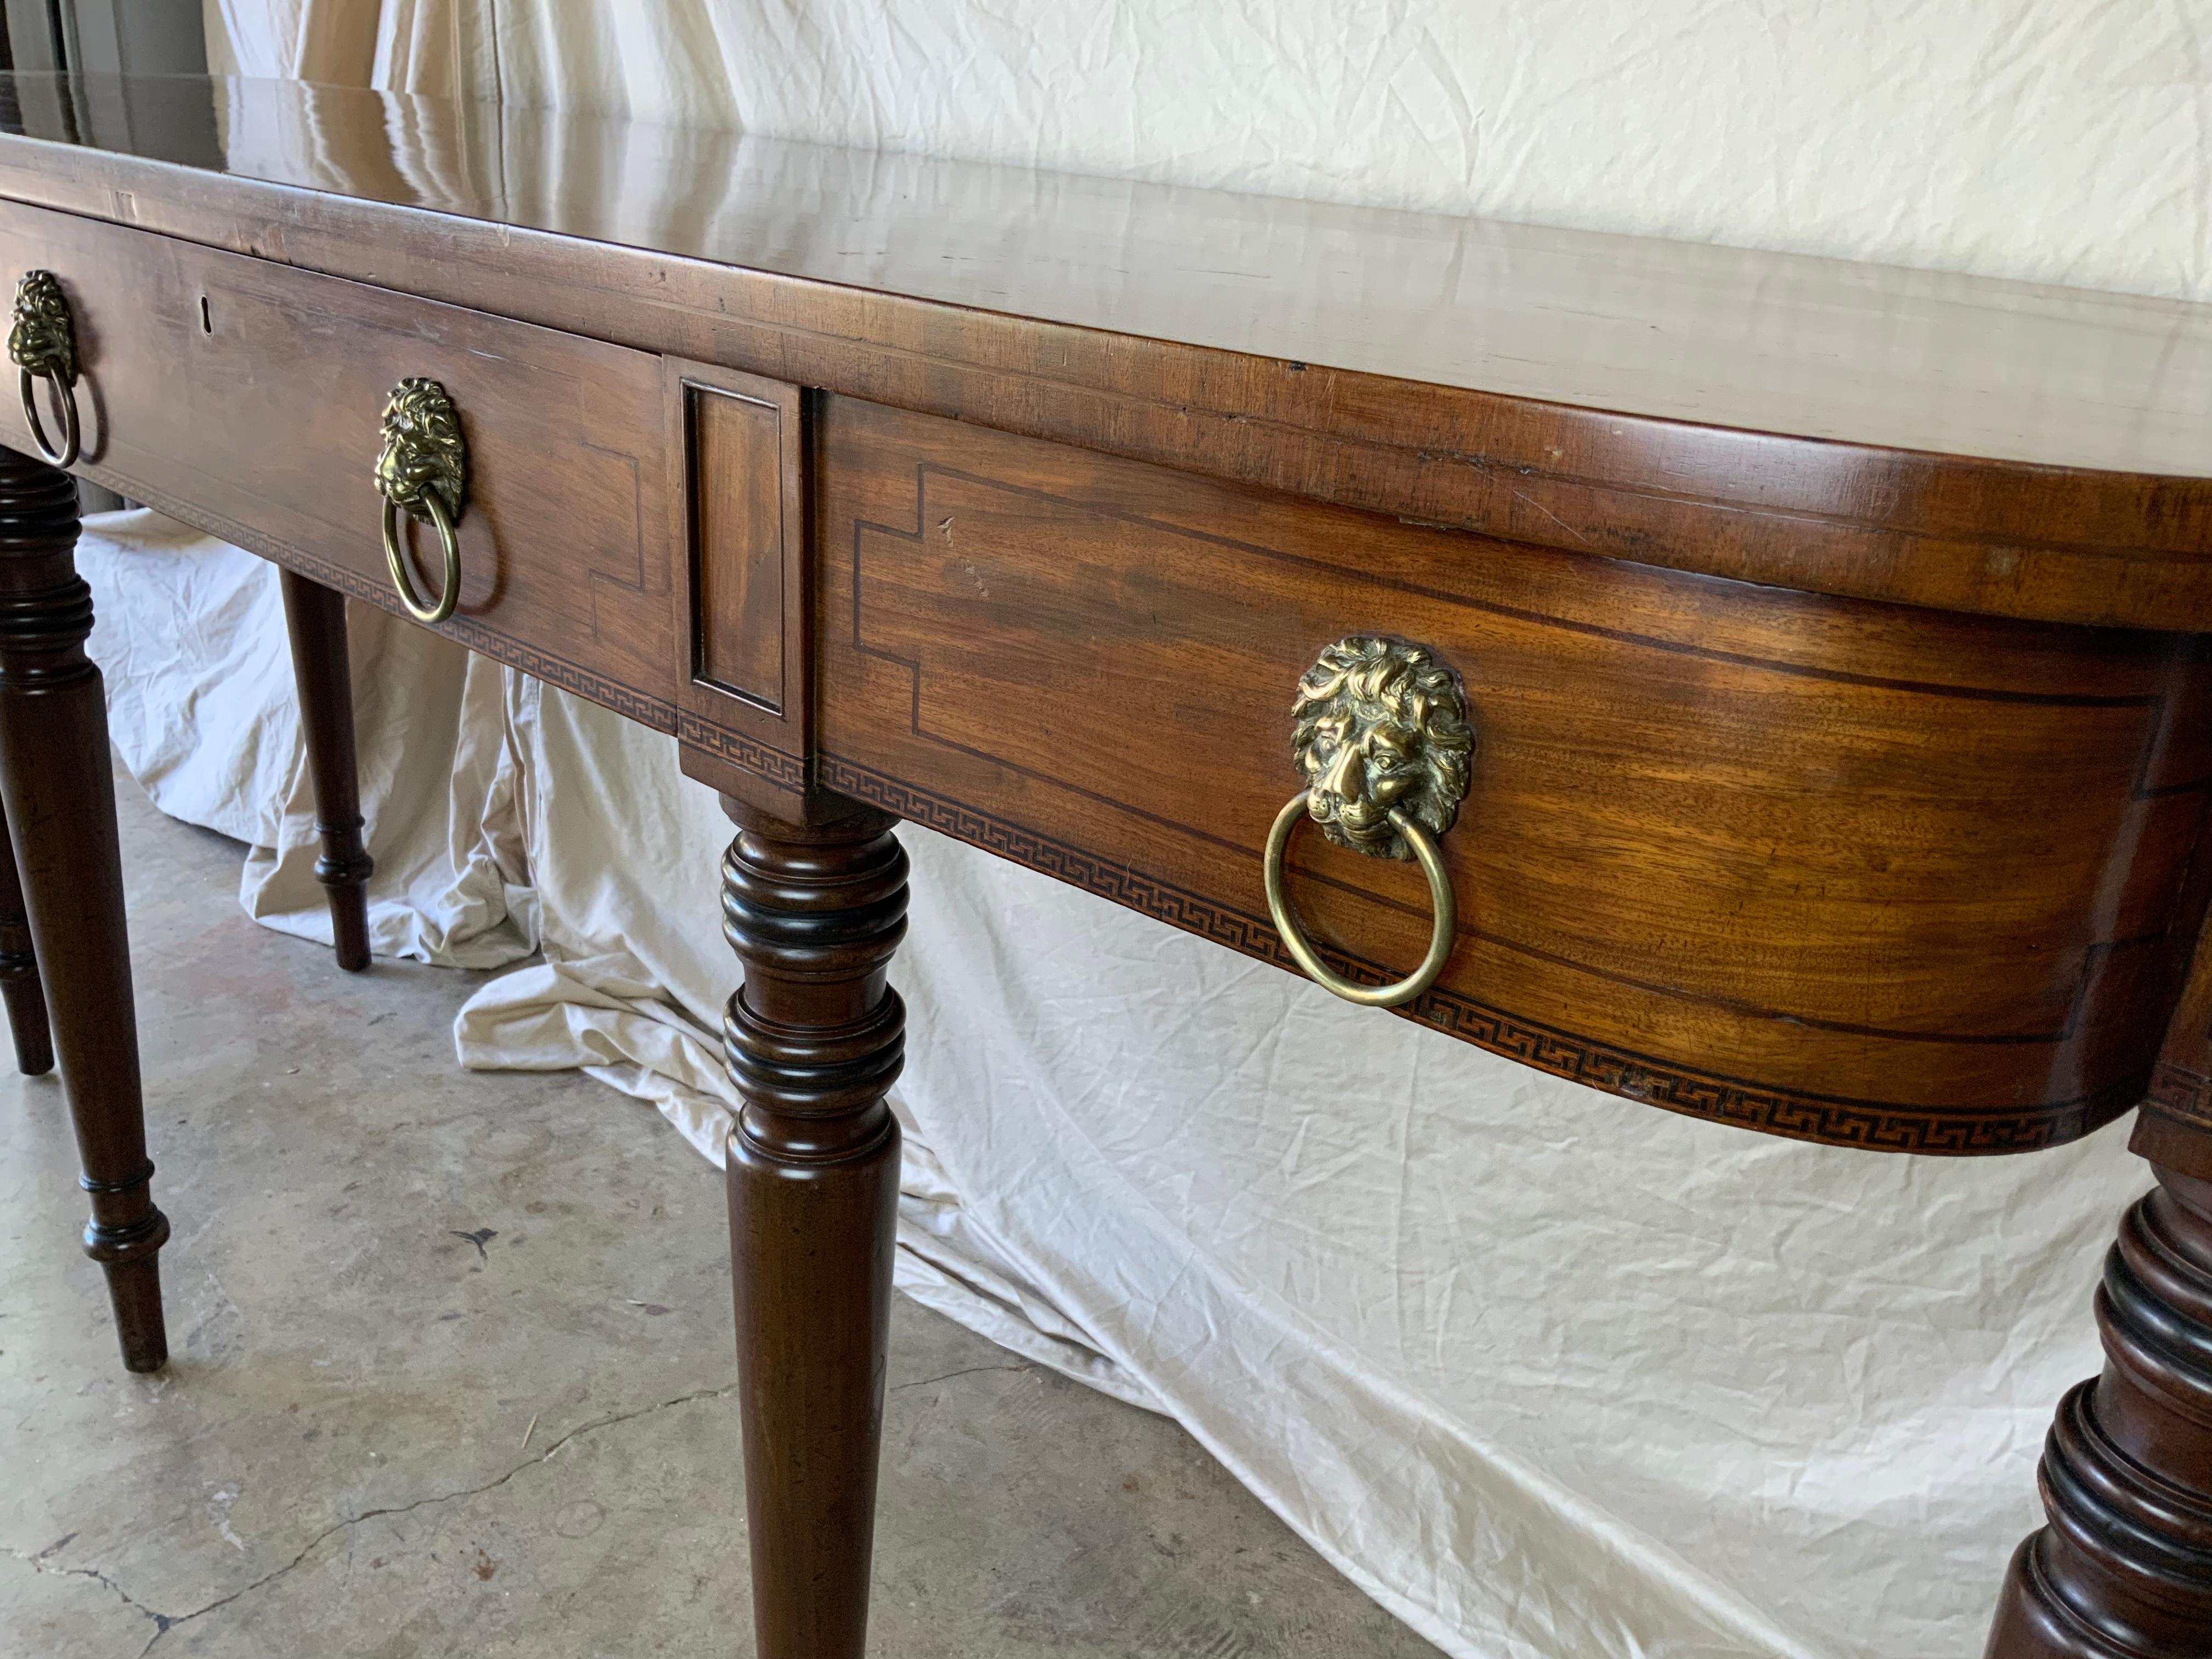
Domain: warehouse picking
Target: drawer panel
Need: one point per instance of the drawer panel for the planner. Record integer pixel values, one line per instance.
(1835, 869)
(246, 397)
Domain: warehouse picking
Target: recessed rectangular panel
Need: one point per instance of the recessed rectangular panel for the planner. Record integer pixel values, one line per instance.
(738, 444)
(737, 546)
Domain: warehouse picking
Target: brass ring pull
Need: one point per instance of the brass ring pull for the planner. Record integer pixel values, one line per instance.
(422, 468)
(395, 556)
(65, 400)
(1380, 732)
(42, 344)
(1301, 949)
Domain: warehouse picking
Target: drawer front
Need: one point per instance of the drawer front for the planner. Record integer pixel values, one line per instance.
(1838, 870)
(246, 397)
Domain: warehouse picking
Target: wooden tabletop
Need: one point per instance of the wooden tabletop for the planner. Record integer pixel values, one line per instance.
(1764, 342)
(1952, 441)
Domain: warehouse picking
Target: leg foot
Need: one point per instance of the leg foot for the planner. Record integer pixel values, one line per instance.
(2125, 1569)
(59, 798)
(128, 1253)
(314, 617)
(816, 1037)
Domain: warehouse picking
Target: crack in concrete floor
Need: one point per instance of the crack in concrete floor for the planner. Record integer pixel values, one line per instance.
(38, 1564)
(164, 1623)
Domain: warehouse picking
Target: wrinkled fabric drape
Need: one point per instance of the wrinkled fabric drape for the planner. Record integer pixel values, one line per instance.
(329, 40)
(1548, 1374)
(439, 47)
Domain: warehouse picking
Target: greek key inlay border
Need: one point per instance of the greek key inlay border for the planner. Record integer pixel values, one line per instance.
(1873, 1125)
(738, 749)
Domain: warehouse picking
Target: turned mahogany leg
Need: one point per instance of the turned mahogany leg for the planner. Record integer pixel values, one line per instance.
(19, 972)
(314, 615)
(815, 1039)
(2125, 1569)
(59, 798)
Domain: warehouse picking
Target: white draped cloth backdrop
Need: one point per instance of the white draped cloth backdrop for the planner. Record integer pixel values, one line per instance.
(1547, 1373)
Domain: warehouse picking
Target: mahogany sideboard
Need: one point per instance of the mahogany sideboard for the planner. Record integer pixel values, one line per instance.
(1771, 689)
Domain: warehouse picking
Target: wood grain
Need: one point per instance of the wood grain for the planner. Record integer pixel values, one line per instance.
(737, 548)
(1753, 854)
(1687, 332)
(26, 999)
(315, 618)
(2125, 1569)
(737, 449)
(246, 398)
(2060, 476)
(1836, 640)
(815, 1038)
(58, 792)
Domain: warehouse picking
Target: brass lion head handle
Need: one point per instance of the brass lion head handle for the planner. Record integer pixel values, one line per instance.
(422, 471)
(1380, 734)
(42, 344)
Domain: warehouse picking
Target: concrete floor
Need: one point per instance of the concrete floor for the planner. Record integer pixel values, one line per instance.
(386, 1270)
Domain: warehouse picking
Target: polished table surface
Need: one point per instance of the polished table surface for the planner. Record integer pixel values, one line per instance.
(1762, 341)
(1769, 687)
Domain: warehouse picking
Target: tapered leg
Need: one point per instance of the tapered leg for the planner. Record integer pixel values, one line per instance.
(19, 972)
(314, 615)
(2125, 1569)
(815, 1037)
(59, 798)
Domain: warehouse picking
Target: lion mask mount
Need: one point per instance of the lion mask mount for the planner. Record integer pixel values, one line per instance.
(1379, 725)
(40, 339)
(422, 450)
